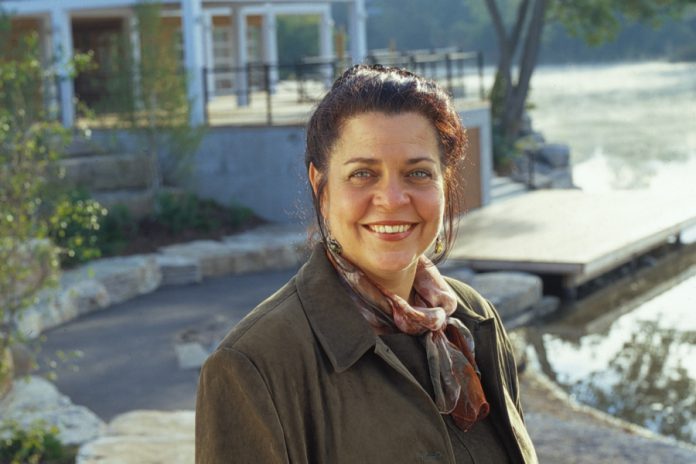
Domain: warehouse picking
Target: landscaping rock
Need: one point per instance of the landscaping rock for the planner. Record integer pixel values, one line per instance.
(512, 293)
(556, 155)
(461, 273)
(566, 442)
(82, 298)
(178, 270)
(123, 278)
(35, 399)
(141, 437)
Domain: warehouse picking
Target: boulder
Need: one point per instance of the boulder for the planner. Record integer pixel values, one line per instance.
(35, 399)
(512, 293)
(143, 437)
(554, 154)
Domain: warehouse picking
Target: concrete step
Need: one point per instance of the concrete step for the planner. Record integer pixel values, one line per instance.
(105, 172)
(80, 146)
(504, 188)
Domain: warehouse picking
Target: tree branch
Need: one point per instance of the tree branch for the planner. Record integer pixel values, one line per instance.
(519, 23)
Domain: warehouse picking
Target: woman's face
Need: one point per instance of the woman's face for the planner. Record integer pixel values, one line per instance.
(384, 198)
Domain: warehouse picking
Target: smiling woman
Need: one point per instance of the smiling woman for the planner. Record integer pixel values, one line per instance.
(368, 354)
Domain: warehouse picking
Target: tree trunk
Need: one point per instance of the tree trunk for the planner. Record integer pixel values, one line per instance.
(509, 95)
(514, 108)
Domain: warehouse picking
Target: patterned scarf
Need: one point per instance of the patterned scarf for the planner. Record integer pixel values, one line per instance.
(449, 343)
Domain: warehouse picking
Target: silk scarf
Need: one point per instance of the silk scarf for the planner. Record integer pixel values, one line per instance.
(449, 343)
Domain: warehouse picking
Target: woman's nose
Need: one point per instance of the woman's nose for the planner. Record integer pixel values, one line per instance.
(391, 193)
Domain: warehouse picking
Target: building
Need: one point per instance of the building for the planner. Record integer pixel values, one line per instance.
(214, 34)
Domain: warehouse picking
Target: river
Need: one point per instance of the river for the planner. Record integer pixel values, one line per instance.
(629, 126)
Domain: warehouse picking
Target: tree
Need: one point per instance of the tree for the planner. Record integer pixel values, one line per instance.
(519, 41)
(28, 146)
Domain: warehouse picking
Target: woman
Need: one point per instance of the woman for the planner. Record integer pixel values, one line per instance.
(368, 355)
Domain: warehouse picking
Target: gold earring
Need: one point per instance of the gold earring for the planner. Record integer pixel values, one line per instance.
(333, 245)
(439, 246)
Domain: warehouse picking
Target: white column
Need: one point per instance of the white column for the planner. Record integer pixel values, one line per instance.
(50, 86)
(192, 28)
(209, 52)
(326, 51)
(270, 44)
(241, 83)
(134, 35)
(61, 32)
(358, 35)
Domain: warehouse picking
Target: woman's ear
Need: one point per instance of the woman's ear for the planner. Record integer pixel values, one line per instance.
(314, 178)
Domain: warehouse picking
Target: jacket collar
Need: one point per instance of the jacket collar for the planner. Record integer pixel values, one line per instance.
(342, 331)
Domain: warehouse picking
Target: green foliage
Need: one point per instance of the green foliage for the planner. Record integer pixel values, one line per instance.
(298, 36)
(37, 444)
(29, 146)
(74, 227)
(179, 212)
(117, 228)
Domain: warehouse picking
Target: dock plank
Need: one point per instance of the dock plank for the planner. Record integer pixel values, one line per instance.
(576, 234)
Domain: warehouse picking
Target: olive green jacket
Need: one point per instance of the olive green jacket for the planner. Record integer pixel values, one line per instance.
(304, 379)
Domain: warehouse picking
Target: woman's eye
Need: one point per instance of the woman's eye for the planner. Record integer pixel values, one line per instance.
(421, 174)
(360, 174)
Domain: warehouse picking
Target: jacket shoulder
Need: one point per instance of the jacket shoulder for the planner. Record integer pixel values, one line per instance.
(471, 299)
(279, 320)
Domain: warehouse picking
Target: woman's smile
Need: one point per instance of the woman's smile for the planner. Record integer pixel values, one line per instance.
(384, 199)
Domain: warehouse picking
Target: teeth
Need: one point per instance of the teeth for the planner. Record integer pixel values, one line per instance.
(390, 229)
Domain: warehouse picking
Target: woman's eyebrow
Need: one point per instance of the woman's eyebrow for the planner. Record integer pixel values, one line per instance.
(372, 161)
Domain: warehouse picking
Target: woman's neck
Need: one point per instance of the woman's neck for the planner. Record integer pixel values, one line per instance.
(399, 283)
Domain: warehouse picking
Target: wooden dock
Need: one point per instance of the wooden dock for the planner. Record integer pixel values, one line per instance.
(570, 233)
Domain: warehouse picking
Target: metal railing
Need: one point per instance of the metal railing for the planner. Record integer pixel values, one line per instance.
(266, 93)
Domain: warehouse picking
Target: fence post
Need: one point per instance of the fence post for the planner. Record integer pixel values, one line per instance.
(448, 67)
(479, 62)
(206, 99)
(267, 85)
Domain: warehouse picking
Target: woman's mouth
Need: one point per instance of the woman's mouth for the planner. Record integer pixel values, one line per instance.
(390, 228)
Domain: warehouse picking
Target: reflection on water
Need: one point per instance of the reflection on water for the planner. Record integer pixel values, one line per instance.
(629, 126)
(642, 367)
(631, 120)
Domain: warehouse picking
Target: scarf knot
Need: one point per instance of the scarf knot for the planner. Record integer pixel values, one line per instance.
(449, 343)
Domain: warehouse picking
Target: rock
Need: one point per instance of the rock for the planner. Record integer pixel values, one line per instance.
(554, 154)
(35, 399)
(463, 274)
(123, 278)
(178, 270)
(571, 442)
(143, 437)
(82, 298)
(548, 305)
(512, 293)
(190, 355)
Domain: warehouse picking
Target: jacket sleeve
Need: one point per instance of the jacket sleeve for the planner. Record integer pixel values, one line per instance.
(508, 360)
(236, 420)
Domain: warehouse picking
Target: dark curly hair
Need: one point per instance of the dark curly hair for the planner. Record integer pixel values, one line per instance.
(375, 88)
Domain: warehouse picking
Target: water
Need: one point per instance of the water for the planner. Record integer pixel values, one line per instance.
(629, 126)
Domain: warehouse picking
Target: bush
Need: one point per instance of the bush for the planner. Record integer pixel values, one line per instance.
(37, 444)
(117, 228)
(180, 212)
(74, 227)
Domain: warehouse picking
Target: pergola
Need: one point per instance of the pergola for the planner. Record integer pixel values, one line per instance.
(196, 16)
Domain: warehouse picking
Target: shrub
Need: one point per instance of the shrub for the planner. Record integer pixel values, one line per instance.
(74, 227)
(117, 228)
(37, 444)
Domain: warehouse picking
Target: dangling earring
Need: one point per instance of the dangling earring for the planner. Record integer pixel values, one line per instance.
(439, 246)
(333, 245)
